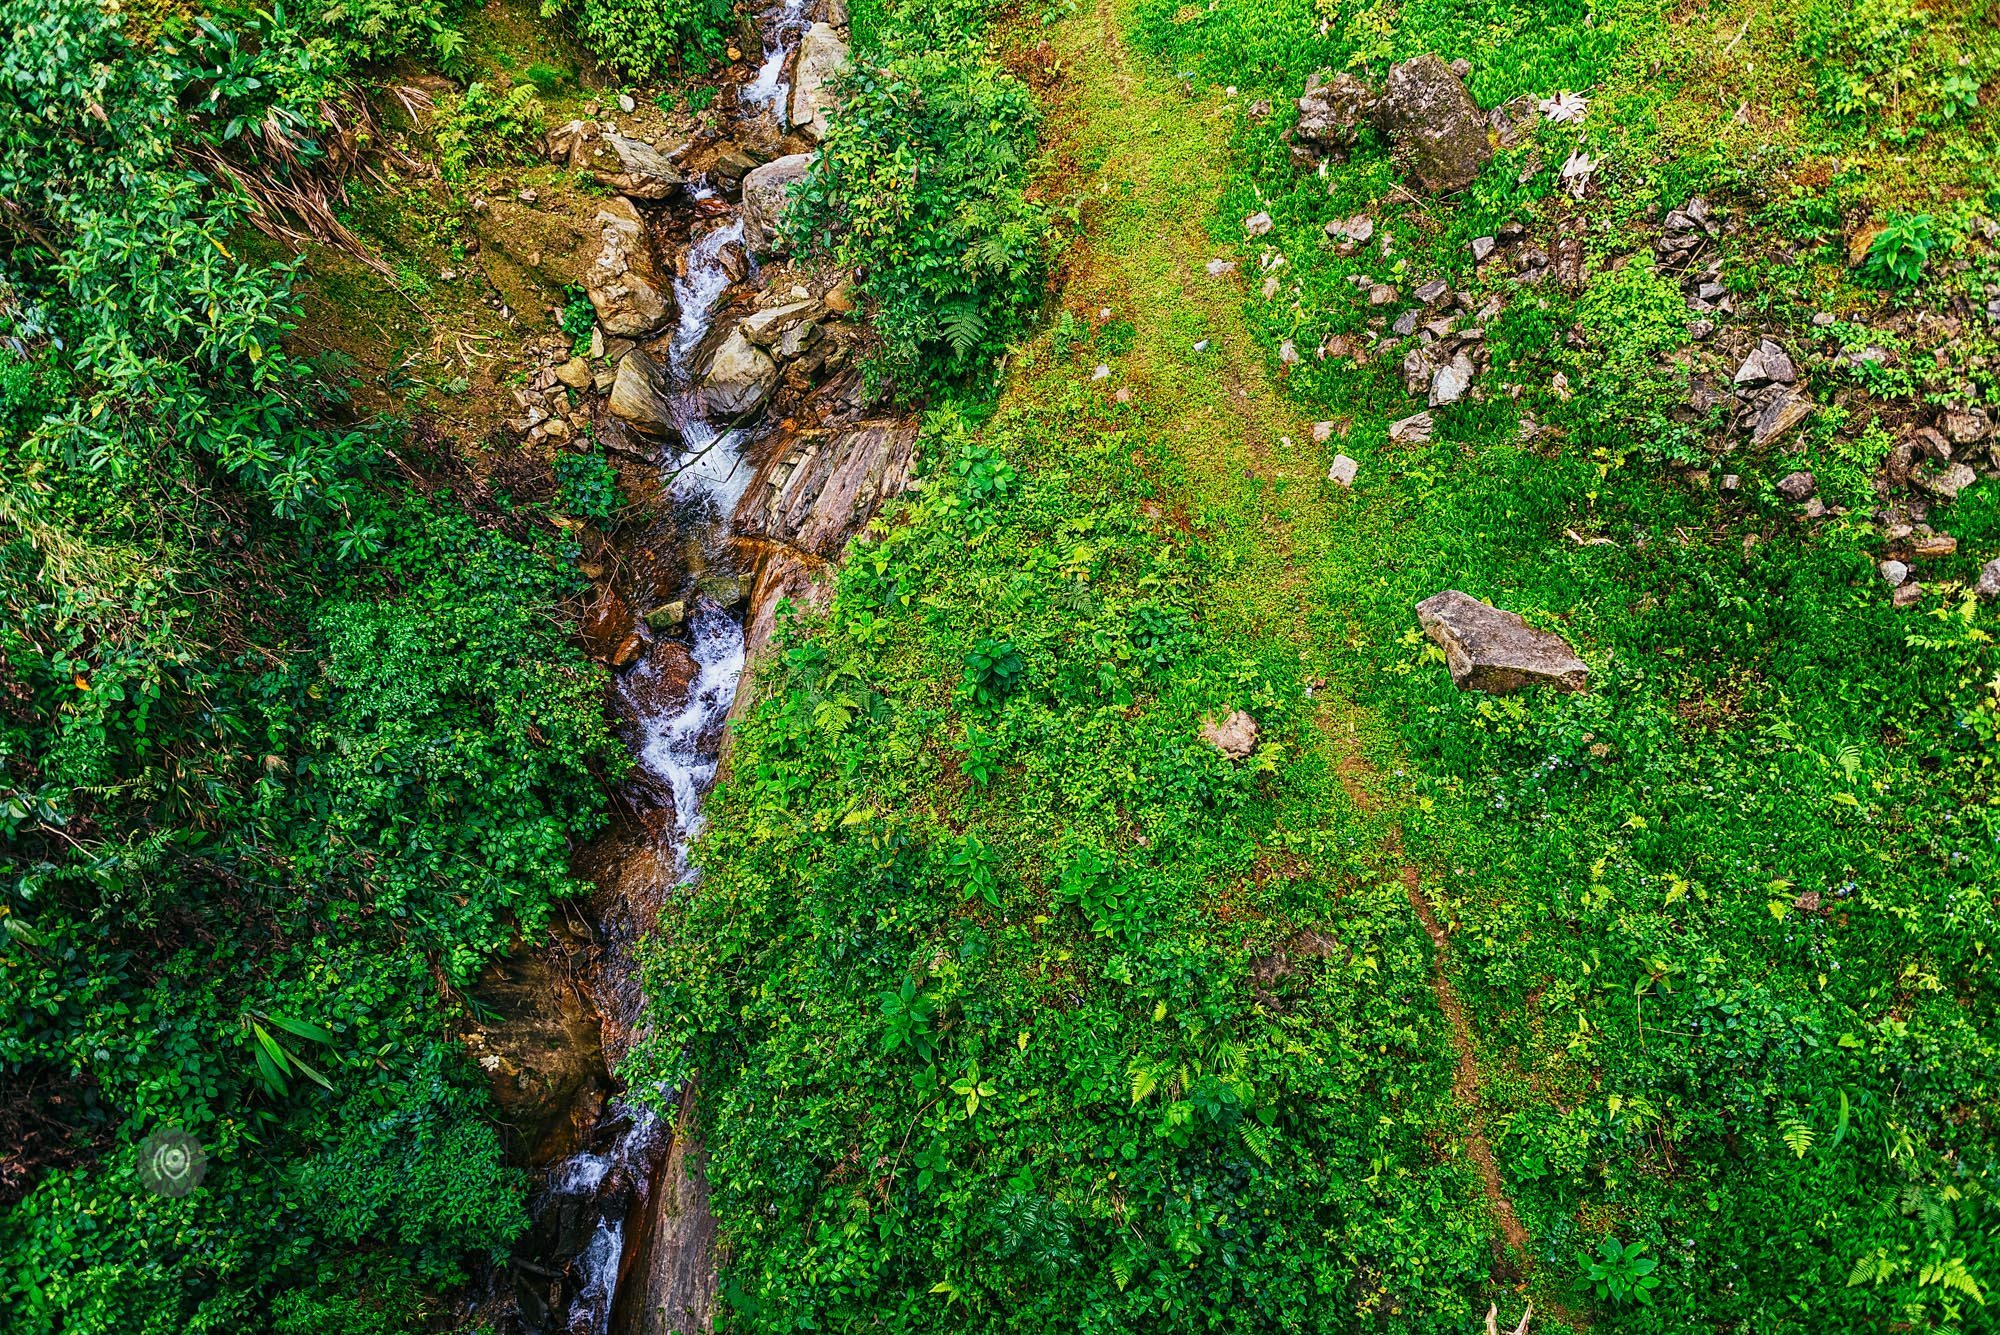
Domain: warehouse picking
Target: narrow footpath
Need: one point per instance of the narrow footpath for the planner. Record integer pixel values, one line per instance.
(1155, 162)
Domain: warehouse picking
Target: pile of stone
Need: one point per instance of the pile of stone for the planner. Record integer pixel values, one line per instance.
(1431, 122)
(548, 410)
(1449, 342)
(1767, 384)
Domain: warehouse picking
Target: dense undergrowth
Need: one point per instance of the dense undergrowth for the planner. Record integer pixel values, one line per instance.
(922, 189)
(287, 750)
(979, 981)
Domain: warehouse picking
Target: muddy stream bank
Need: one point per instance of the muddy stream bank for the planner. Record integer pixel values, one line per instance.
(723, 380)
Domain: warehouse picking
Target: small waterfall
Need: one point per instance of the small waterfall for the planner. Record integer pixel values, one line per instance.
(769, 92)
(674, 750)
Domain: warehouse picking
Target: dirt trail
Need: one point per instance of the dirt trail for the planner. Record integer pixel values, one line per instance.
(1156, 161)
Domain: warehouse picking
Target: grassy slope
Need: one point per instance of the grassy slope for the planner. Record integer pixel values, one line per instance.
(1677, 1051)
(1237, 457)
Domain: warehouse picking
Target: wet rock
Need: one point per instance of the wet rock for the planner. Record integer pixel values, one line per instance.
(639, 397)
(764, 193)
(1434, 124)
(1235, 736)
(1988, 586)
(1487, 649)
(1796, 486)
(730, 167)
(623, 282)
(629, 651)
(643, 172)
(666, 617)
(667, 1285)
(737, 378)
(540, 1047)
(1331, 114)
(1768, 365)
(819, 493)
(1343, 472)
(606, 625)
(1779, 416)
(822, 58)
(725, 591)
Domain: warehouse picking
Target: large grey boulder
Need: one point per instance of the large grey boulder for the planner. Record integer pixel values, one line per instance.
(822, 59)
(764, 192)
(623, 282)
(1494, 651)
(639, 397)
(738, 377)
(1434, 124)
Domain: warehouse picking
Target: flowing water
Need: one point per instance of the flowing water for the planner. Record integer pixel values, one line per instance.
(678, 750)
(768, 93)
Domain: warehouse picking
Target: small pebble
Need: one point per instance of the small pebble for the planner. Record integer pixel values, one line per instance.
(626, 104)
(1202, 346)
(1101, 373)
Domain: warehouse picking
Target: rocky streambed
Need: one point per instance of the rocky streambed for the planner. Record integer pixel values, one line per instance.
(723, 377)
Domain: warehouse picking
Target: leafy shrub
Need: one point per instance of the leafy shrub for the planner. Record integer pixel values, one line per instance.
(486, 126)
(648, 39)
(992, 671)
(920, 185)
(1620, 1273)
(587, 485)
(1896, 256)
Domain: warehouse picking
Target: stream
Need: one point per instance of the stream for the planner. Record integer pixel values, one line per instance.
(590, 1200)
